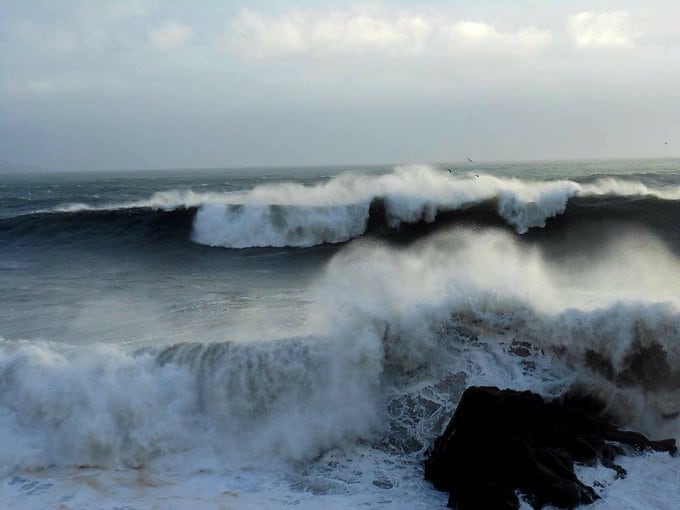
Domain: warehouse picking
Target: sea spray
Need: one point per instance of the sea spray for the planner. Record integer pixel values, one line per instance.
(241, 402)
(257, 225)
(610, 322)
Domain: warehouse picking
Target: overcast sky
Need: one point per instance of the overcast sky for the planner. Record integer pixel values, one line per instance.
(160, 84)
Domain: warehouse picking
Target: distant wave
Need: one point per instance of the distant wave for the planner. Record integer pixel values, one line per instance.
(350, 205)
(161, 200)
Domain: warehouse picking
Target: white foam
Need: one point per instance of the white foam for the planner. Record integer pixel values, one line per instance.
(162, 200)
(252, 225)
(648, 484)
(105, 407)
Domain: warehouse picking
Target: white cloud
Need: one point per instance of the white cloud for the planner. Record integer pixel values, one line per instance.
(474, 30)
(170, 35)
(258, 36)
(604, 29)
(363, 32)
(481, 37)
(253, 34)
(314, 33)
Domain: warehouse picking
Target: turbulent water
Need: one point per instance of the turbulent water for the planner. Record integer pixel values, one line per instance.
(274, 337)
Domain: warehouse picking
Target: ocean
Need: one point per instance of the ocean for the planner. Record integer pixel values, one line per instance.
(298, 337)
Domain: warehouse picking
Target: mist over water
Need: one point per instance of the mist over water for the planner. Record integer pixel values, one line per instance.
(310, 337)
(491, 285)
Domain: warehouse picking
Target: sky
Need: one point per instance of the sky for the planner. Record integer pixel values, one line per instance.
(90, 85)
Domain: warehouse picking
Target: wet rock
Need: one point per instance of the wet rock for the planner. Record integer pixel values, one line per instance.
(503, 441)
(521, 349)
(383, 484)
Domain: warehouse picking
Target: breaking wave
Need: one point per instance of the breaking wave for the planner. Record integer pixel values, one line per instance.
(351, 205)
(400, 332)
(341, 209)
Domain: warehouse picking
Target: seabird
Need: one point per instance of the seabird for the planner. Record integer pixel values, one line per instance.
(469, 160)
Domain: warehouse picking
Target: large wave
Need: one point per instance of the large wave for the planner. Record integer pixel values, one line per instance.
(350, 205)
(340, 209)
(399, 333)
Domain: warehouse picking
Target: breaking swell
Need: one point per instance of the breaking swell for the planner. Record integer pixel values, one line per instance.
(401, 206)
(401, 333)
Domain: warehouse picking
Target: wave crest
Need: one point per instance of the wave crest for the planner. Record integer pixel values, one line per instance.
(351, 205)
(339, 210)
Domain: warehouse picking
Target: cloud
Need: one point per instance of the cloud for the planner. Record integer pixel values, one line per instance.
(170, 35)
(474, 30)
(602, 30)
(253, 34)
(40, 86)
(64, 83)
(54, 39)
(362, 32)
(66, 31)
(482, 37)
(44, 86)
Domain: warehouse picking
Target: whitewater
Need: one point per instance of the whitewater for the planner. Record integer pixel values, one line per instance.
(260, 338)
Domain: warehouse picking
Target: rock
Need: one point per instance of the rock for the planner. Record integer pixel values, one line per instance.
(521, 349)
(501, 441)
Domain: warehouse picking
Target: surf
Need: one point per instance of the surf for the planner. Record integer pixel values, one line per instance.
(408, 201)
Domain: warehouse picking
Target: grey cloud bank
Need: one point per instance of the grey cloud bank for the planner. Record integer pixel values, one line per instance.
(87, 85)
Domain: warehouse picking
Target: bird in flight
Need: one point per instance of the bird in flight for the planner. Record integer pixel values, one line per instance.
(469, 160)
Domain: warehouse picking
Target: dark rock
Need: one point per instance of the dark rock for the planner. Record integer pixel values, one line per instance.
(501, 441)
(521, 349)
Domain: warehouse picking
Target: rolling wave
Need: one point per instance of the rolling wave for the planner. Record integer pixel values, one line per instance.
(351, 205)
(401, 333)
(291, 399)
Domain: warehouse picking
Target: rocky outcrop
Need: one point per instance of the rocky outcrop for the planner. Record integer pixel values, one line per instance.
(502, 441)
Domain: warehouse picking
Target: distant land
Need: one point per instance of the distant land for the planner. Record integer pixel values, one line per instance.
(13, 167)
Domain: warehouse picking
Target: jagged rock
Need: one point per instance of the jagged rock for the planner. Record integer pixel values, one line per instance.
(501, 441)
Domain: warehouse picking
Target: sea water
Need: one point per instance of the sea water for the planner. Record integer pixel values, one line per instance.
(265, 338)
